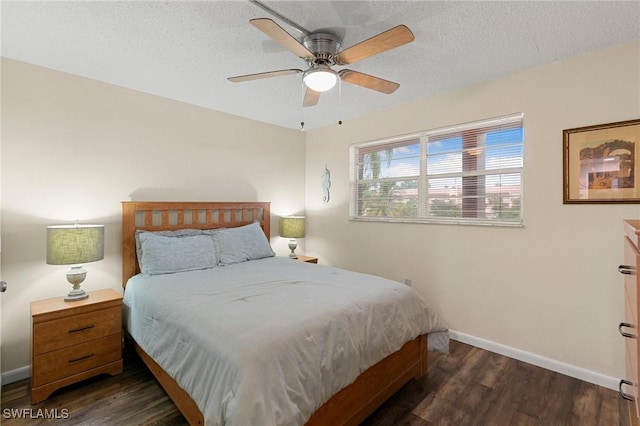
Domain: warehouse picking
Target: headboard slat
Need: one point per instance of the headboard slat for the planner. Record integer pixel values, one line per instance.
(229, 214)
(148, 218)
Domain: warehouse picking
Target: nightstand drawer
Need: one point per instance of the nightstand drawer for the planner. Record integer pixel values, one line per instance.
(65, 362)
(64, 332)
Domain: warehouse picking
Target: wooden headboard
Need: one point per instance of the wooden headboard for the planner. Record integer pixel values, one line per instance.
(169, 216)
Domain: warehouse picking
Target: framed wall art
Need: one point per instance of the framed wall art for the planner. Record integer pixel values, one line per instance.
(601, 163)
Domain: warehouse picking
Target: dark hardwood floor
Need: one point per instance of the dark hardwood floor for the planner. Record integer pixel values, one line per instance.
(469, 386)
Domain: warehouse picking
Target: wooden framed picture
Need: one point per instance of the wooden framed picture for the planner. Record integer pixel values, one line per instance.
(601, 163)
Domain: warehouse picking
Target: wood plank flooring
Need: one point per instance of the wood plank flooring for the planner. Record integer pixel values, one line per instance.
(470, 386)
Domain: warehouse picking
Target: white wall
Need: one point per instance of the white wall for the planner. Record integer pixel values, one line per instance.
(550, 288)
(74, 148)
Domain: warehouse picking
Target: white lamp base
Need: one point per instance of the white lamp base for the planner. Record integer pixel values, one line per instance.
(74, 295)
(76, 276)
(292, 246)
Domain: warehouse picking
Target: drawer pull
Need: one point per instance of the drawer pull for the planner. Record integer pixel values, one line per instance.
(78, 330)
(627, 270)
(622, 394)
(627, 325)
(71, 361)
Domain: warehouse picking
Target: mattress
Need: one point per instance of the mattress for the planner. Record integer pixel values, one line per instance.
(267, 342)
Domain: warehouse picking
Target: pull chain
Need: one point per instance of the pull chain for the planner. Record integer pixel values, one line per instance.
(302, 108)
(339, 101)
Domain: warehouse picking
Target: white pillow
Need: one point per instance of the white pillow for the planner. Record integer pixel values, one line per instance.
(165, 255)
(240, 244)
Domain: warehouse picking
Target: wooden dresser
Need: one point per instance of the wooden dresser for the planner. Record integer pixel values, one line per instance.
(629, 328)
(72, 341)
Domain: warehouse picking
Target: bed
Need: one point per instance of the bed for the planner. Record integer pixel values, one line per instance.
(225, 385)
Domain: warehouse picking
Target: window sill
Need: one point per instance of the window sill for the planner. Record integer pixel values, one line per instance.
(439, 221)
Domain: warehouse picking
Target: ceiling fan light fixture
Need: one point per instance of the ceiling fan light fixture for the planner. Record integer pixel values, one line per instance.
(320, 79)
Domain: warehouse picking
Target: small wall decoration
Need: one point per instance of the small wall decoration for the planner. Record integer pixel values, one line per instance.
(601, 163)
(326, 184)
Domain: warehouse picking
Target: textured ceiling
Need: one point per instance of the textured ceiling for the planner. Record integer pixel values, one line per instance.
(185, 50)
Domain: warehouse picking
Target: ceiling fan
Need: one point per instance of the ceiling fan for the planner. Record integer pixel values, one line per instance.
(321, 51)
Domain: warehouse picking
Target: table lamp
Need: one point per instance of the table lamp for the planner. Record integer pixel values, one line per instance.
(292, 227)
(75, 245)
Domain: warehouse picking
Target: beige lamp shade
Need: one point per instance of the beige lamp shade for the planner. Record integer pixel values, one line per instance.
(292, 227)
(74, 244)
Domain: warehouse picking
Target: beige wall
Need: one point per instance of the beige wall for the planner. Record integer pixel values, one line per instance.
(74, 148)
(550, 288)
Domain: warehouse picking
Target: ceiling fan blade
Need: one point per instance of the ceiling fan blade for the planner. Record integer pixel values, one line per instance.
(311, 98)
(396, 36)
(368, 81)
(260, 75)
(276, 32)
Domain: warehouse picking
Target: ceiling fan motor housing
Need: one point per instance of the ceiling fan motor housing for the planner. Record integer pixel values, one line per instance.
(324, 46)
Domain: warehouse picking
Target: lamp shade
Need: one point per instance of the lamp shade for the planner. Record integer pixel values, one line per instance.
(292, 227)
(74, 244)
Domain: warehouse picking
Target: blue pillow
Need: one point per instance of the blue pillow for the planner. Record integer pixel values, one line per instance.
(177, 233)
(240, 244)
(163, 254)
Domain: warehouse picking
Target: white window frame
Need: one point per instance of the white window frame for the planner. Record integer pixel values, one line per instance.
(422, 214)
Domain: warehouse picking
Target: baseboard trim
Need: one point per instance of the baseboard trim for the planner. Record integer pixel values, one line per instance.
(540, 361)
(16, 375)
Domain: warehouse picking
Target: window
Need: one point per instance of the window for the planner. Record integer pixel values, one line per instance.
(469, 174)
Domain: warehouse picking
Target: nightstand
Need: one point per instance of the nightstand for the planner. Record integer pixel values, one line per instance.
(307, 259)
(73, 341)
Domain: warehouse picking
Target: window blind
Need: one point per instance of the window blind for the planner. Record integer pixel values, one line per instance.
(468, 173)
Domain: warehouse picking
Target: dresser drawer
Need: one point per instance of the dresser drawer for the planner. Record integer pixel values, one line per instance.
(69, 331)
(631, 364)
(65, 362)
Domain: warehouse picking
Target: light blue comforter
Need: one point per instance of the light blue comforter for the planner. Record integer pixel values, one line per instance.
(267, 342)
